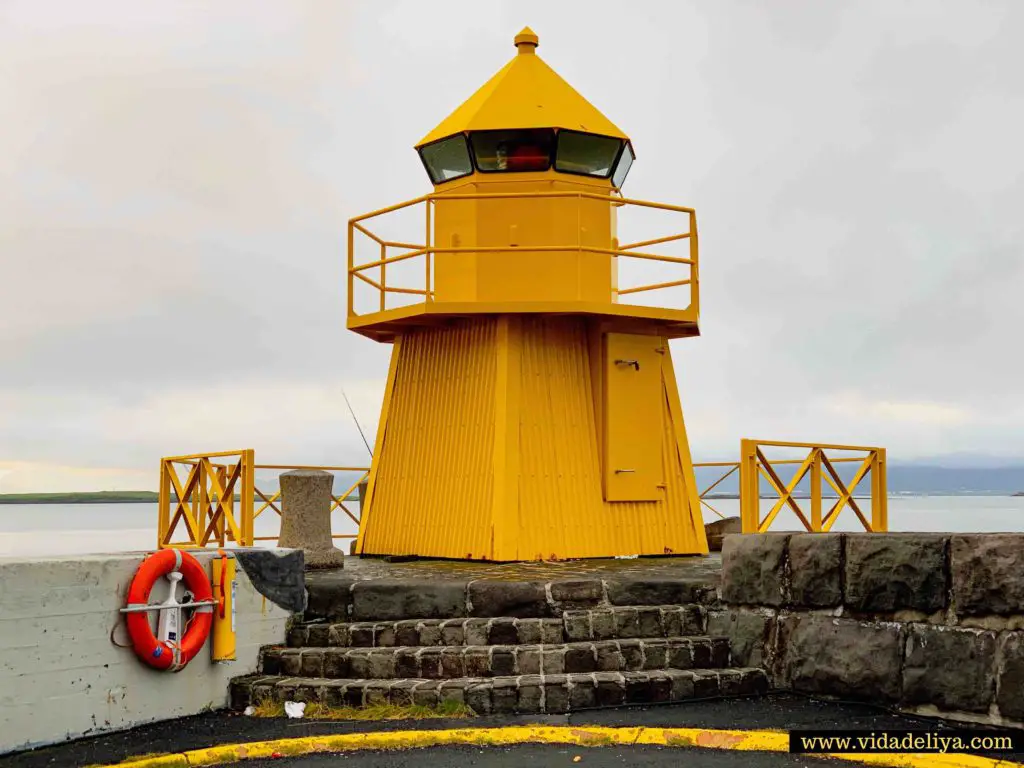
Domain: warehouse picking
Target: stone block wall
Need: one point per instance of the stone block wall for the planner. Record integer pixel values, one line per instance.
(927, 623)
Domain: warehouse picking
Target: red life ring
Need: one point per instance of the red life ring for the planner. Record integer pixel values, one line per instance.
(161, 655)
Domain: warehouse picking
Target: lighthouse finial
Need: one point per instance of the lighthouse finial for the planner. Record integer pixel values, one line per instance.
(527, 41)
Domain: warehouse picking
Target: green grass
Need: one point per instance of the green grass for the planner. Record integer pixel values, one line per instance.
(317, 711)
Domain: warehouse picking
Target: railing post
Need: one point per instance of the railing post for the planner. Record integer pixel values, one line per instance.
(248, 462)
(164, 503)
(427, 240)
(199, 505)
(750, 511)
(694, 269)
(879, 493)
(351, 263)
(816, 491)
(383, 276)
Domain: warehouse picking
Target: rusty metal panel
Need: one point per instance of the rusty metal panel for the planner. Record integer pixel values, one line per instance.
(434, 492)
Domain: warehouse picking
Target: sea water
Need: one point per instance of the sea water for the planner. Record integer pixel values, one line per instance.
(29, 530)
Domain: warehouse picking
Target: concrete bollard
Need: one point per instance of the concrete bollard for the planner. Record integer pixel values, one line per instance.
(306, 517)
(716, 530)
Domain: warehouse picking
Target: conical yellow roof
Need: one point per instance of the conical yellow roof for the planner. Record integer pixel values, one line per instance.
(525, 93)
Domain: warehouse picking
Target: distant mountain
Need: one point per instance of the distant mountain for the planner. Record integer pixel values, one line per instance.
(953, 481)
(903, 478)
(962, 460)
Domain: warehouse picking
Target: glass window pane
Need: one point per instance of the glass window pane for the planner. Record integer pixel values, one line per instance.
(447, 159)
(622, 168)
(585, 153)
(524, 150)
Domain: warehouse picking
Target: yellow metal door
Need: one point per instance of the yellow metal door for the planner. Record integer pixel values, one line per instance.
(633, 413)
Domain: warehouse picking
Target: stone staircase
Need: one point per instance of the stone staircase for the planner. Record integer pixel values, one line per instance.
(571, 659)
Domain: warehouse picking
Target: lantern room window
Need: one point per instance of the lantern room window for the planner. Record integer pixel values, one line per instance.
(522, 150)
(586, 154)
(447, 159)
(623, 165)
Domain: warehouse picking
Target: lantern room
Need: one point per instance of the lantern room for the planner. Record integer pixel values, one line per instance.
(526, 119)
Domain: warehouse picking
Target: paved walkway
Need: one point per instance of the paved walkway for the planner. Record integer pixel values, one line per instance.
(696, 568)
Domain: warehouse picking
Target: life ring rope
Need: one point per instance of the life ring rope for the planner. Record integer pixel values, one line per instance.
(169, 655)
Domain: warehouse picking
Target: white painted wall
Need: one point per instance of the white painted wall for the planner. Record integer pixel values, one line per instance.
(61, 676)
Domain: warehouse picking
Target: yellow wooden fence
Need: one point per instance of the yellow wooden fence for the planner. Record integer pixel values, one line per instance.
(198, 495)
(754, 466)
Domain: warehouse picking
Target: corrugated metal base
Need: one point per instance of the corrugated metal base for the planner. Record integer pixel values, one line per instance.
(435, 478)
(433, 490)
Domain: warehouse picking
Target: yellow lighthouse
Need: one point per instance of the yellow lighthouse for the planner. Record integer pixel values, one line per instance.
(531, 408)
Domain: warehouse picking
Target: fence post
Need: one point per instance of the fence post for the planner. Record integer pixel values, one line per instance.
(879, 493)
(248, 461)
(164, 504)
(816, 491)
(750, 500)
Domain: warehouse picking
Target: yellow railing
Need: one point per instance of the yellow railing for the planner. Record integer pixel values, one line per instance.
(754, 465)
(427, 249)
(203, 503)
(730, 468)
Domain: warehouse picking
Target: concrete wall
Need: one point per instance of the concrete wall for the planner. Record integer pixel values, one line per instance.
(61, 676)
(928, 623)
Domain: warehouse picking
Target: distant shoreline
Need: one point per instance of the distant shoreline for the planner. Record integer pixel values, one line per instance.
(152, 497)
(96, 497)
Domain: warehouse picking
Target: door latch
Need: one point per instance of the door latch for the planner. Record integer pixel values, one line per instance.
(633, 363)
(624, 471)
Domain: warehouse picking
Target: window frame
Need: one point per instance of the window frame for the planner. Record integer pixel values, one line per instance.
(611, 167)
(469, 153)
(626, 144)
(551, 154)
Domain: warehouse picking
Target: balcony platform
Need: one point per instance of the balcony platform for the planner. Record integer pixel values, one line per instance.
(385, 326)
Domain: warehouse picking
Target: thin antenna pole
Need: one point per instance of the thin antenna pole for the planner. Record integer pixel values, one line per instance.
(369, 450)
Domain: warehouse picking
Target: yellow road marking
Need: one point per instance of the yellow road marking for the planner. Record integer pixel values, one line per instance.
(583, 736)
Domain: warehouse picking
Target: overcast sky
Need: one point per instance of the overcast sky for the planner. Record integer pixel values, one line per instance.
(175, 178)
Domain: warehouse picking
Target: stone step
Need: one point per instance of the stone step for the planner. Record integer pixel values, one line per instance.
(427, 632)
(606, 623)
(349, 596)
(525, 694)
(485, 661)
(619, 622)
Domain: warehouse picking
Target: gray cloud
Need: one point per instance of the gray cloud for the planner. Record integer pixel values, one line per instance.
(177, 177)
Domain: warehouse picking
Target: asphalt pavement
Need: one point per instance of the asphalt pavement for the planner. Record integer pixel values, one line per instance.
(542, 755)
(774, 712)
